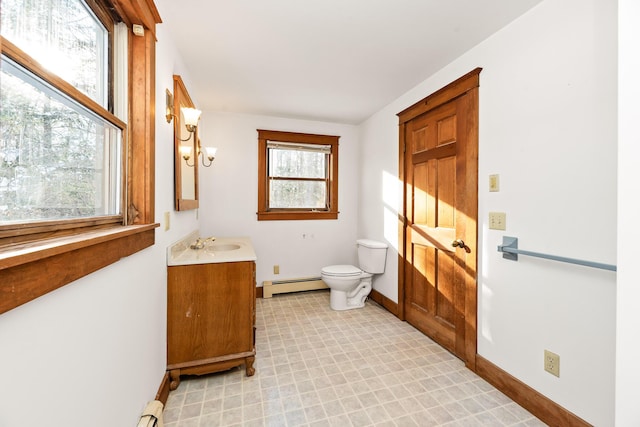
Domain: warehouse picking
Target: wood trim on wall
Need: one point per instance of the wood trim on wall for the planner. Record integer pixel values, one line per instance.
(34, 271)
(451, 91)
(142, 118)
(163, 391)
(142, 12)
(266, 214)
(471, 227)
(402, 223)
(539, 405)
(182, 98)
(390, 305)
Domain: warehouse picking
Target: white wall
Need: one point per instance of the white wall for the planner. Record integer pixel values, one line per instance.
(229, 197)
(548, 127)
(91, 345)
(168, 63)
(94, 352)
(628, 345)
(381, 191)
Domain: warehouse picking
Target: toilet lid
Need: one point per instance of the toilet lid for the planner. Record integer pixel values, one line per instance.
(341, 270)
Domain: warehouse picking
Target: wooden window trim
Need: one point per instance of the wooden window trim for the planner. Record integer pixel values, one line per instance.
(12, 51)
(266, 214)
(30, 269)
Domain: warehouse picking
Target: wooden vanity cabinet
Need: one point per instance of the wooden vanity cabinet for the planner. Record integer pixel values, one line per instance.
(211, 312)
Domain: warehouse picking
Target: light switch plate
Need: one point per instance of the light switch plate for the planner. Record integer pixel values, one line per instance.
(497, 221)
(494, 182)
(167, 221)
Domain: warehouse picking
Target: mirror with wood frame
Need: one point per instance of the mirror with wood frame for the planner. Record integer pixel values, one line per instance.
(185, 150)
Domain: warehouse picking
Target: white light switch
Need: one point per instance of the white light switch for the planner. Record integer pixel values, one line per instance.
(494, 182)
(497, 220)
(167, 221)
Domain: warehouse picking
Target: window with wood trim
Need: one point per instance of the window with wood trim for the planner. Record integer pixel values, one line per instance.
(297, 176)
(76, 182)
(60, 143)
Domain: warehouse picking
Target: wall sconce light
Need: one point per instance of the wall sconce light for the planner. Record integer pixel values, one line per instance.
(209, 152)
(191, 118)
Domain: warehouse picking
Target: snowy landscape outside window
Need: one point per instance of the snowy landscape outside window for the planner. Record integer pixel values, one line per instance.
(298, 176)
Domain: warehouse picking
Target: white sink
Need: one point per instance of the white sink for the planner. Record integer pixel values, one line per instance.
(222, 249)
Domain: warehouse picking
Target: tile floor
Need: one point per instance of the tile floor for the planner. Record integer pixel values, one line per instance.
(318, 367)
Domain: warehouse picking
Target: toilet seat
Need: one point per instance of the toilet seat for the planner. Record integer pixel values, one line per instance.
(341, 271)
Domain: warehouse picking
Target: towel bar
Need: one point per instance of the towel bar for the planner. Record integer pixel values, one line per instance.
(509, 249)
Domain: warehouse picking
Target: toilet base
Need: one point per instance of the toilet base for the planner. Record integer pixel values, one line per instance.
(341, 300)
(338, 301)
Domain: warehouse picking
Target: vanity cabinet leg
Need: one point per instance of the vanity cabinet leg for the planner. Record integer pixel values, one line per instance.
(249, 365)
(175, 379)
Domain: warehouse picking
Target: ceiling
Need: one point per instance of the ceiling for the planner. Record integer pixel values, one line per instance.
(328, 60)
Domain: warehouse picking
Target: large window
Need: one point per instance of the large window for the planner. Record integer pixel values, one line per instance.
(298, 176)
(76, 181)
(60, 146)
(58, 160)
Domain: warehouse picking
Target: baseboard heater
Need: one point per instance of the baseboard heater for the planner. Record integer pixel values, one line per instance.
(152, 415)
(270, 288)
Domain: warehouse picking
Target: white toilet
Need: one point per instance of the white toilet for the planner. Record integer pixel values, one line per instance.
(351, 285)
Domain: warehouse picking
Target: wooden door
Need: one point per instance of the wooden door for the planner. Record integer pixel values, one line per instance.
(440, 215)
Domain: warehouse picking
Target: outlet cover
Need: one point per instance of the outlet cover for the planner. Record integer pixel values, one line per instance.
(276, 269)
(552, 363)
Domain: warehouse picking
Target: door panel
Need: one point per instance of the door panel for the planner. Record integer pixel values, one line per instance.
(432, 303)
(437, 284)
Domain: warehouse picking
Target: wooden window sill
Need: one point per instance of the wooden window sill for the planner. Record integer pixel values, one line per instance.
(30, 270)
(293, 215)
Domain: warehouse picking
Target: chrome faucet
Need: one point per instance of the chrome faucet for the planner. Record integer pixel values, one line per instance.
(200, 242)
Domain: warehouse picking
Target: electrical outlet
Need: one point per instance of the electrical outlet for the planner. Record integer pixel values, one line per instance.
(276, 269)
(497, 221)
(552, 363)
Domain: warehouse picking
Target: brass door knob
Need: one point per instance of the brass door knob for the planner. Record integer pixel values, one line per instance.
(459, 243)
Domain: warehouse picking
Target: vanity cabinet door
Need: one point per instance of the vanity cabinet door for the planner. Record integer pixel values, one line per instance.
(210, 312)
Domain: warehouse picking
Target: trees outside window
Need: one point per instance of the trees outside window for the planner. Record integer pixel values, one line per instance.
(58, 158)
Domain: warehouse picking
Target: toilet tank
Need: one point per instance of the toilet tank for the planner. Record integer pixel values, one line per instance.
(372, 255)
